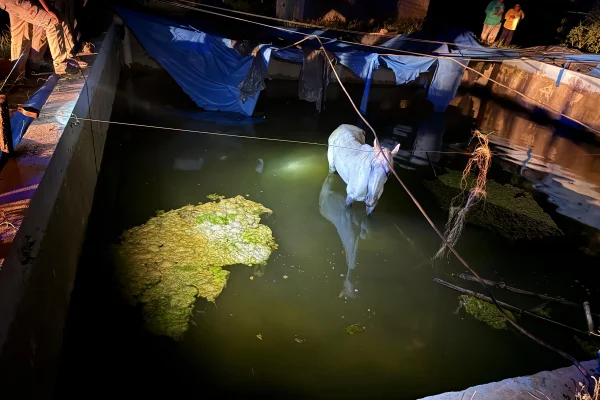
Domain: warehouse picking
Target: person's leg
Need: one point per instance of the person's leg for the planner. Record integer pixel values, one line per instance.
(486, 31)
(39, 45)
(503, 35)
(20, 40)
(509, 37)
(493, 33)
(38, 17)
(67, 33)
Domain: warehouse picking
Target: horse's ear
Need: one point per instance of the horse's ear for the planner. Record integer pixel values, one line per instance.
(396, 149)
(376, 146)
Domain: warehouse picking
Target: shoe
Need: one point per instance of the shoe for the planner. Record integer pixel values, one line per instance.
(66, 69)
(76, 62)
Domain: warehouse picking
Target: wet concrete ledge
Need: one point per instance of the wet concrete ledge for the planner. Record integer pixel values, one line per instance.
(570, 92)
(558, 384)
(50, 183)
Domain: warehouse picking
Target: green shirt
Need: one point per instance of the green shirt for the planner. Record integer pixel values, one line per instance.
(494, 12)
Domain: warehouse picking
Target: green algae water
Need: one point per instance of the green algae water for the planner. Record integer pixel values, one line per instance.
(346, 306)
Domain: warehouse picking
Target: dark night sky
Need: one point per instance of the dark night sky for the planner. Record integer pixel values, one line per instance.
(538, 28)
(542, 18)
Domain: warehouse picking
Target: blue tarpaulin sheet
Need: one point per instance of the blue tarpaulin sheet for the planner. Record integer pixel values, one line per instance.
(19, 122)
(206, 66)
(210, 70)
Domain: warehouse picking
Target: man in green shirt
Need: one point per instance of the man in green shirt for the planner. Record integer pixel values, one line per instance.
(491, 25)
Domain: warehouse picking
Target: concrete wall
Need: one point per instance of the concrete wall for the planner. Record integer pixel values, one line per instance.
(413, 8)
(562, 383)
(291, 9)
(39, 271)
(574, 94)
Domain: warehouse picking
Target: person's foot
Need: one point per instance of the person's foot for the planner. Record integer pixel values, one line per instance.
(76, 62)
(66, 68)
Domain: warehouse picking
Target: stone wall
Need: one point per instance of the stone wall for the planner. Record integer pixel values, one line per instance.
(39, 271)
(571, 93)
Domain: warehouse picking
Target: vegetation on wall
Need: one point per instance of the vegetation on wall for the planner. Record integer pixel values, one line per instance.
(586, 35)
(393, 25)
(5, 45)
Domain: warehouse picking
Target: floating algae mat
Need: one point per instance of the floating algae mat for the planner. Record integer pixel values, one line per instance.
(507, 209)
(355, 328)
(177, 256)
(485, 312)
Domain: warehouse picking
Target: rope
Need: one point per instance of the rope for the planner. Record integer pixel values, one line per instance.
(323, 28)
(393, 50)
(21, 56)
(351, 31)
(588, 127)
(451, 248)
(232, 135)
(528, 53)
(415, 201)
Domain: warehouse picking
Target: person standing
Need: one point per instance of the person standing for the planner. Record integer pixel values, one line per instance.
(33, 16)
(27, 40)
(493, 19)
(512, 17)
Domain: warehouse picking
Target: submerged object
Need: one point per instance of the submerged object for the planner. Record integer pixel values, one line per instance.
(485, 312)
(177, 256)
(510, 211)
(480, 160)
(261, 166)
(355, 328)
(364, 168)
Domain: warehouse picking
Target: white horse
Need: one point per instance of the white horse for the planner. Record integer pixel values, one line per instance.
(365, 169)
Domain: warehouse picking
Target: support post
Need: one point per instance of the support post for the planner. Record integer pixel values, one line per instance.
(127, 55)
(6, 140)
(588, 317)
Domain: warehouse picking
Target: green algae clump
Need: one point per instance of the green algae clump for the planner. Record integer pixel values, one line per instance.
(510, 211)
(355, 328)
(177, 256)
(590, 348)
(485, 312)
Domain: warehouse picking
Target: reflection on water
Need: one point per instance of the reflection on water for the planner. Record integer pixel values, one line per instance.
(350, 222)
(569, 178)
(429, 139)
(414, 344)
(552, 159)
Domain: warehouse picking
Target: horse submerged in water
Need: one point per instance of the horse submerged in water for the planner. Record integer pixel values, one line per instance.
(365, 169)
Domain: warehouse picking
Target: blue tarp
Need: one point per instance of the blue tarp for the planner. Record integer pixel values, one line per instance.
(209, 69)
(19, 122)
(206, 67)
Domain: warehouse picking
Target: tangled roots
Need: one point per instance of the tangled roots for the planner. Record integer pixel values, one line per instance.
(480, 160)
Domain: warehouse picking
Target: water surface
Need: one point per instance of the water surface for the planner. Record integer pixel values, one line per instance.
(376, 272)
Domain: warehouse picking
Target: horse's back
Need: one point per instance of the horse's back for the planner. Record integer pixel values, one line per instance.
(349, 135)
